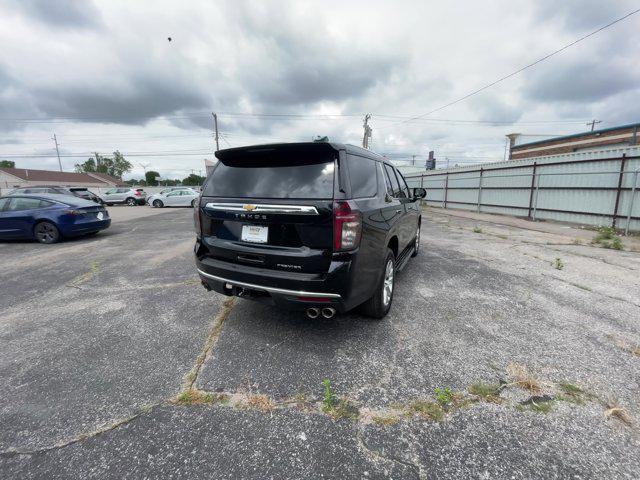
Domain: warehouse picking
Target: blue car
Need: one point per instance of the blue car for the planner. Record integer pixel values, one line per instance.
(49, 218)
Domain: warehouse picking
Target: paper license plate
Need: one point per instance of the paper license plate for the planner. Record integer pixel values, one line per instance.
(255, 234)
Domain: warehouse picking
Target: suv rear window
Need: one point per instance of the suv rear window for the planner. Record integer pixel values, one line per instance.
(272, 178)
(362, 171)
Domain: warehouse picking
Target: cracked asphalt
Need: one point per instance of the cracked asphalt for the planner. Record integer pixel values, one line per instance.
(98, 336)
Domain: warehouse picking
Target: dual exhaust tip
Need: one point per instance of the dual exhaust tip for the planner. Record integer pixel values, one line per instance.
(326, 312)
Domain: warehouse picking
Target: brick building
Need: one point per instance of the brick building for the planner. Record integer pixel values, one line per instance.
(25, 177)
(624, 135)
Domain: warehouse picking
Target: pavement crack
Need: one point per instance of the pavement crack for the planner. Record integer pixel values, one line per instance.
(212, 338)
(12, 452)
(378, 456)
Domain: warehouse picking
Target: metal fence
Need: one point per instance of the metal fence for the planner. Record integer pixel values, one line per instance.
(591, 188)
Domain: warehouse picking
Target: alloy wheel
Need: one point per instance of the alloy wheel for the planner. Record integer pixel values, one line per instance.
(46, 233)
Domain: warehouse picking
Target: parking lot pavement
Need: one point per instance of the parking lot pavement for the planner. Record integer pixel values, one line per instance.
(123, 213)
(534, 335)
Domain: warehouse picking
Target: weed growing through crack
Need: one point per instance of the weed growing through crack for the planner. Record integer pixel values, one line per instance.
(329, 398)
(617, 244)
(427, 409)
(558, 263)
(489, 392)
(385, 420)
(198, 397)
(607, 237)
(521, 377)
(577, 241)
(572, 393)
(613, 409)
(477, 229)
(337, 408)
(260, 402)
(444, 396)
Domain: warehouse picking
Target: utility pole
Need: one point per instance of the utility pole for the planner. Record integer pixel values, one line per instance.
(367, 131)
(57, 151)
(215, 126)
(413, 160)
(593, 123)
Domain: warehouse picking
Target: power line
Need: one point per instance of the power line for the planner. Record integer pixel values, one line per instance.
(549, 55)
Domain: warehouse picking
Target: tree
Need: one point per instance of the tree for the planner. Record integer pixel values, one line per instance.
(194, 179)
(119, 165)
(7, 164)
(150, 177)
(116, 166)
(87, 167)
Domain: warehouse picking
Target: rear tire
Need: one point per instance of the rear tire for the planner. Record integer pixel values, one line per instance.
(158, 204)
(193, 203)
(131, 202)
(380, 303)
(46, 232)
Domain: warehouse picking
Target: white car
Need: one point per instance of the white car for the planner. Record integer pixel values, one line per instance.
(185, 197)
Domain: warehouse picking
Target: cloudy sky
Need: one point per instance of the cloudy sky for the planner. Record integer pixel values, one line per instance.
(103, 76)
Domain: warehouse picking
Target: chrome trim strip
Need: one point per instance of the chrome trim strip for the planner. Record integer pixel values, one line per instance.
(263, 208)
(283, 291)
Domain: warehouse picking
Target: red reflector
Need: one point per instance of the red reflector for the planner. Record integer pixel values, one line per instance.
(314, 299)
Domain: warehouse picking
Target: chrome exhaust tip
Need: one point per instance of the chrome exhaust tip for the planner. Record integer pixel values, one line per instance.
(328, 312)
(313, 312)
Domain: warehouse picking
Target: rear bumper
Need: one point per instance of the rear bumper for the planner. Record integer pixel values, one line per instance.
(287, 290)
(85, 227)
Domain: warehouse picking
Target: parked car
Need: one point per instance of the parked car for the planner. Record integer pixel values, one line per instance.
(47, 218)
(184, 197)
(171, 189)
(56, 190)
(125, 195)
(317, 227)
(85, 193)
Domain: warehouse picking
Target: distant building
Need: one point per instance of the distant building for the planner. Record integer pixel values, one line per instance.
(25, 177)
(624, 135)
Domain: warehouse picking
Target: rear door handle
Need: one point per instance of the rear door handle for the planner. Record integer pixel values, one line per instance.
(398, 211)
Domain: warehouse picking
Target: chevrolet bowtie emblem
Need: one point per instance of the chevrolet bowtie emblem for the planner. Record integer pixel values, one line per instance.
(249, 207)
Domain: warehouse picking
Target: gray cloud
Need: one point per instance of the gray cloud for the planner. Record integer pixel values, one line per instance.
(581, 14)
(490, 107)
(60, 13)
(304, 62)
(141, 99)
(584, 81)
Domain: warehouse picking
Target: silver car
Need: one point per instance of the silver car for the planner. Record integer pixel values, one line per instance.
(176, 198)
(126, 195)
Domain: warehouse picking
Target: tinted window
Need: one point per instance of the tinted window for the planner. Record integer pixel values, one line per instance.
(19, 204)
(387, 182)
(394, 181)
(404, 190)
(362, 172)
(3, 203)
(272, 178)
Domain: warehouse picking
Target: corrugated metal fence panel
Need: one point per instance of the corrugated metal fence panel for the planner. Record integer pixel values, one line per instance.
(579, 187)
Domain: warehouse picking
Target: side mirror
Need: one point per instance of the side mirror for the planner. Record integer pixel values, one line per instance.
(419, 192)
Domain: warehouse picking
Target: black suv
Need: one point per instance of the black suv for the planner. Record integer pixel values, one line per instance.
(318, 227)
